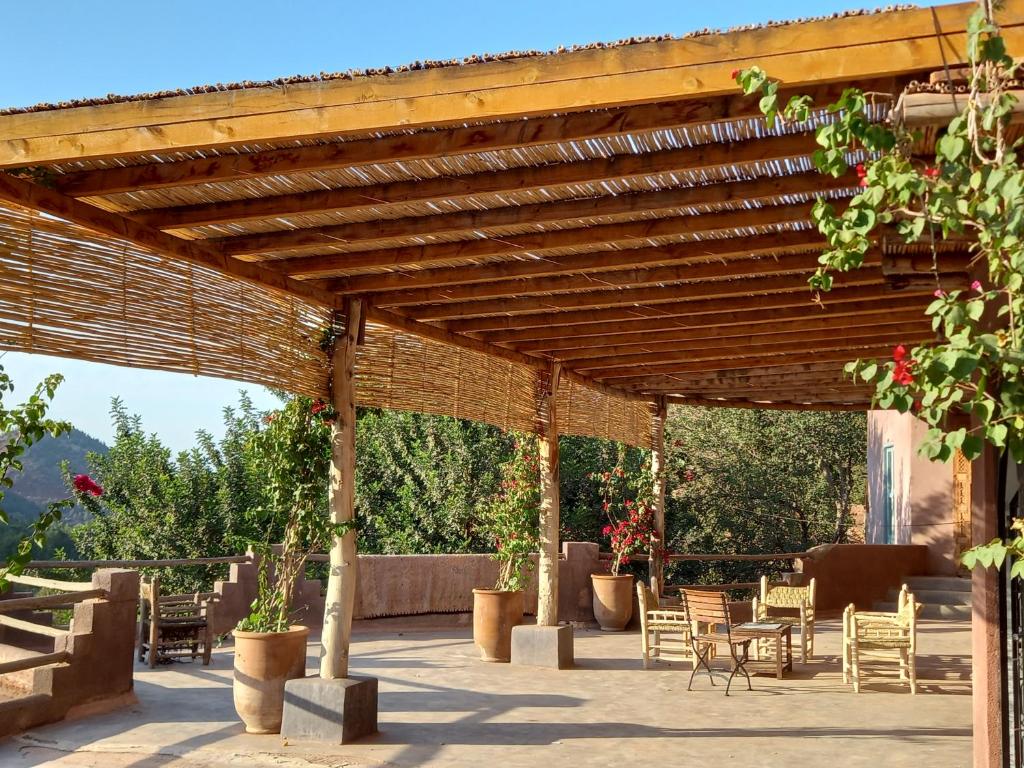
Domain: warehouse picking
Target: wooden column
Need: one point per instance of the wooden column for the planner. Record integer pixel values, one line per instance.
(986, 643)
(341, 584)
(657, 566)
(547, 586)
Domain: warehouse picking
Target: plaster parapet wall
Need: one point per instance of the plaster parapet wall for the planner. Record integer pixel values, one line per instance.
(98, 673)
(861, 574)
(409, 585)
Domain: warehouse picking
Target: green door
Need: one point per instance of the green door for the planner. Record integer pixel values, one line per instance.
(889, 498)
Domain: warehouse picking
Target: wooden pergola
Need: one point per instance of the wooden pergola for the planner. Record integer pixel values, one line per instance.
(616, 219)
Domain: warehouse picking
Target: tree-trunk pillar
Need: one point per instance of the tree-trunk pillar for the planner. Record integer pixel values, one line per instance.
(341, 583)
(657, 565)
(547, 568)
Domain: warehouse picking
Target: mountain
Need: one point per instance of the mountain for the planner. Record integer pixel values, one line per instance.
(40, 482)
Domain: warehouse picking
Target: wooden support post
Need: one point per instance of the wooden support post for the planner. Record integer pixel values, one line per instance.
(657, 565)
(547, 587)
(341, 584)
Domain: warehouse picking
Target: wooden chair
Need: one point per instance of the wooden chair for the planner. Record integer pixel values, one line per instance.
(878, 635)
(784, 597)
(661, 622)
(712, 610)
(175, 626)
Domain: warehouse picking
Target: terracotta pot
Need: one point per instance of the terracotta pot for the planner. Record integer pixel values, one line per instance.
(613, 601)
(263, 662)
(494, 614)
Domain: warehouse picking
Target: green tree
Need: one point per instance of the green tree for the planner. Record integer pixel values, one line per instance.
(753, 481)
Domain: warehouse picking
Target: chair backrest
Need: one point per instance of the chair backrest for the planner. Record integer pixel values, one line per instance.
(785, 596)
(706, 607)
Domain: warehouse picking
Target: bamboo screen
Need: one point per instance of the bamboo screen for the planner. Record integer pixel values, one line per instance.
(68, 292)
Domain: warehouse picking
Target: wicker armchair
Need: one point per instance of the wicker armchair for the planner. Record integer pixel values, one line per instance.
(881, 636)
(174, 626)
(669, 627)
(784, 597)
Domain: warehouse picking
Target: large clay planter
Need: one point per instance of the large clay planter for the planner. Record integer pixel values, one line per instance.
(613, 601)
(263, 662)
(494, 615)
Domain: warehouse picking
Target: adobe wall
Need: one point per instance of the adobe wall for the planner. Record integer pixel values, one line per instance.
(98, 674)
(409, 585)
(861, 574)
(923, 490)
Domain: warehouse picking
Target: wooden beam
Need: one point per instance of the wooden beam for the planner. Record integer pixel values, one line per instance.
(723, 323)
(766, 406)
(614, 317)
(788, 363)
(799, 54)
(618, 297)
(515, 134)
(776, 148)
(496, 220)
(40, 198)
(827, 373)
(627, 233)
(547, 440)
(782, 342)
(779, 329)
(594, 261)
(340, 599)
(725, 359)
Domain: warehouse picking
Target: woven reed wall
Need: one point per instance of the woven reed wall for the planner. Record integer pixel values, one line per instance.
(68, 292)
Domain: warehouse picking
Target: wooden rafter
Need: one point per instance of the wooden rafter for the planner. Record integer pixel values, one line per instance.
(466, 223)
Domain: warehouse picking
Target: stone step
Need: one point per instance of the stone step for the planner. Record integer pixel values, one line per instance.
(932, 611)
(943, 583)
(935, 597)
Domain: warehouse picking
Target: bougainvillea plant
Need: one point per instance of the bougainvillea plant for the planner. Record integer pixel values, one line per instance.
(22, 426)
(628, 505)
(511, 517)
(293, 453)
(966, 384)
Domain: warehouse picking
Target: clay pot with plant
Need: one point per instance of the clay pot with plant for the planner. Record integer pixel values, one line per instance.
(511, 519)
(293, 453)
(631, 530)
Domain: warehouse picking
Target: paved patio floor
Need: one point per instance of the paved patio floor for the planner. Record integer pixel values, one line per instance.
(440, 706)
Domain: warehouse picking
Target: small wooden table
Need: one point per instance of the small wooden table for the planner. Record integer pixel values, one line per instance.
(779, 633)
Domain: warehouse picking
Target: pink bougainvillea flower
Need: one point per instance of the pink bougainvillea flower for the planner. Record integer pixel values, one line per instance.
(977, 287)
(901, 373)
(734, 74)
(899, 353)
(861, 170)
(85, 484)
(939, 293)
(931, 173)
(606, 530)
(317, 407)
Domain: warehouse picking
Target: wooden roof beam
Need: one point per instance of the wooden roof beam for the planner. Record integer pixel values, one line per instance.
(467, 223)
(623, 318)
(799, 54)
(820, 405)
(462, 140)
(488, 182)
(656, 343)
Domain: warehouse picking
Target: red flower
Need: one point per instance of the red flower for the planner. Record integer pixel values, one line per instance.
(931, 173)
(864, 182)
(734, 74)
(939, 293)
(606, 530)
(317, 407)
(977, 287)
(85, 484)
(899, 353)
(901, 373)
(269, 418)
(689, 475)
(861, 171)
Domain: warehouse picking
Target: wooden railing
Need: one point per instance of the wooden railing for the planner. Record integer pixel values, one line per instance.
(39, 564)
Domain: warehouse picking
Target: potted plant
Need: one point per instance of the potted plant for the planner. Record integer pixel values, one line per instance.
(511, 519)
(631, 530)
(293, 453)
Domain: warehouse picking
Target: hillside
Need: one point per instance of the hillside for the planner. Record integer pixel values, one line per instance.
(41, 480)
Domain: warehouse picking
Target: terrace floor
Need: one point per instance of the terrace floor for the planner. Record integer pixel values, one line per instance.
(440, 706)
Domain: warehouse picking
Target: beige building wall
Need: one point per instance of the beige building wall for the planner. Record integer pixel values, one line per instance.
(922, 490)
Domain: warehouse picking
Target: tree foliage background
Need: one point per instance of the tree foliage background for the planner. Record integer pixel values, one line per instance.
(738, 481)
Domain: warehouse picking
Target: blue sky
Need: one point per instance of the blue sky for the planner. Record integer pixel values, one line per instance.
(64, 49)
